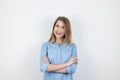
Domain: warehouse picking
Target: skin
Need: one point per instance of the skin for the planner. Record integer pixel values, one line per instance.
(60, 29)
(59, 32)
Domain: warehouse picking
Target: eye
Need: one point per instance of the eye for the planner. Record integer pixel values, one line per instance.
(57, 26)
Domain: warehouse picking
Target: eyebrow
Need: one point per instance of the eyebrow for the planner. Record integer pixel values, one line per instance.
(59, 25)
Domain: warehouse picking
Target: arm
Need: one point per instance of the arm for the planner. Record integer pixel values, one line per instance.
(63, 68)
(44, 52)
(56, 67)
(72, 68)
(59, 67)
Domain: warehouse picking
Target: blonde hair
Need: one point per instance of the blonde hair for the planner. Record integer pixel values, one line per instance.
(68, 34)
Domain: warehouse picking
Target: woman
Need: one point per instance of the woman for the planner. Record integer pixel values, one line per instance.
(58, 55)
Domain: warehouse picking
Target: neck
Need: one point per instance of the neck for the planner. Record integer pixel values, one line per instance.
(59, 41)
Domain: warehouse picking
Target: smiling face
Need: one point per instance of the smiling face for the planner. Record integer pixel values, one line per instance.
(59, 29)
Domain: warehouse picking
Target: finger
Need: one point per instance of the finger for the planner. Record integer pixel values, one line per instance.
(73, 56)
(76, 62)
(44, 58)
(75, 59)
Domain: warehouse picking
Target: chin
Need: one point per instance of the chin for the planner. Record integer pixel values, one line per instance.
(59, 36)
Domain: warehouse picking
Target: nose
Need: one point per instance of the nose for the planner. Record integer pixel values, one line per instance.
(59, 29)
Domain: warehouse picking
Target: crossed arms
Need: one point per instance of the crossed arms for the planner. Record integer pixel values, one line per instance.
(68, 67)
(62, 68)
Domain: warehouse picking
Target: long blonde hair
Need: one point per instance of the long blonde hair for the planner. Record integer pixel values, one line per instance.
(68, 34)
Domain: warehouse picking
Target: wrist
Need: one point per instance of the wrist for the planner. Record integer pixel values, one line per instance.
(66, 64)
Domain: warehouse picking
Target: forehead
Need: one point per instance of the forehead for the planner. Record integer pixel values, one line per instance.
(60, 22)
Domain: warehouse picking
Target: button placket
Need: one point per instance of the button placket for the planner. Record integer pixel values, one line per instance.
(59, 54)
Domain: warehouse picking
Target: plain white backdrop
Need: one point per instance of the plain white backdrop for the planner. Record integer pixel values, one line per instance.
(26, 24)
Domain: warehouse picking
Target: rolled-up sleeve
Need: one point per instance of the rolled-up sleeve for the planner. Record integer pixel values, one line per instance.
(71, 69)
(44, 51)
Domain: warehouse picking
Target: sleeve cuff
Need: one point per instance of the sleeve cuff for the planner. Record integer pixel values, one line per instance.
(43, 67)
(69, 70)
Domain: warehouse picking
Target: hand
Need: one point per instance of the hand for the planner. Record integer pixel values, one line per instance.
(71, 61)
(45, 58)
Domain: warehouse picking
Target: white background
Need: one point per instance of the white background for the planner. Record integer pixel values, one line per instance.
(26, 24)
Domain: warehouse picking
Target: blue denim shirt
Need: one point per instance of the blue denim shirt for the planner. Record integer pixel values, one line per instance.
(58, 54)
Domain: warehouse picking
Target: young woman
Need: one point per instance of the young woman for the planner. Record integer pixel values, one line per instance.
(58, 55)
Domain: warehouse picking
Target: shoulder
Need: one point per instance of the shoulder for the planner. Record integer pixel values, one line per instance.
(73, 44)
(45, 44)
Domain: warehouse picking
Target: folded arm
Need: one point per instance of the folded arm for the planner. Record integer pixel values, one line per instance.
(68, 67)
(62, 68)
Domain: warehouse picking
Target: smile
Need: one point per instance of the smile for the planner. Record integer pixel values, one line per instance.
(58, 33)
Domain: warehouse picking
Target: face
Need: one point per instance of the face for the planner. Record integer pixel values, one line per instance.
(59, 29)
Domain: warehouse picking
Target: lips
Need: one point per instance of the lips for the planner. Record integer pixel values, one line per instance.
(58, 33)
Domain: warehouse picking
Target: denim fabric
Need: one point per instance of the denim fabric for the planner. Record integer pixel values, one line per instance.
(58, 54)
